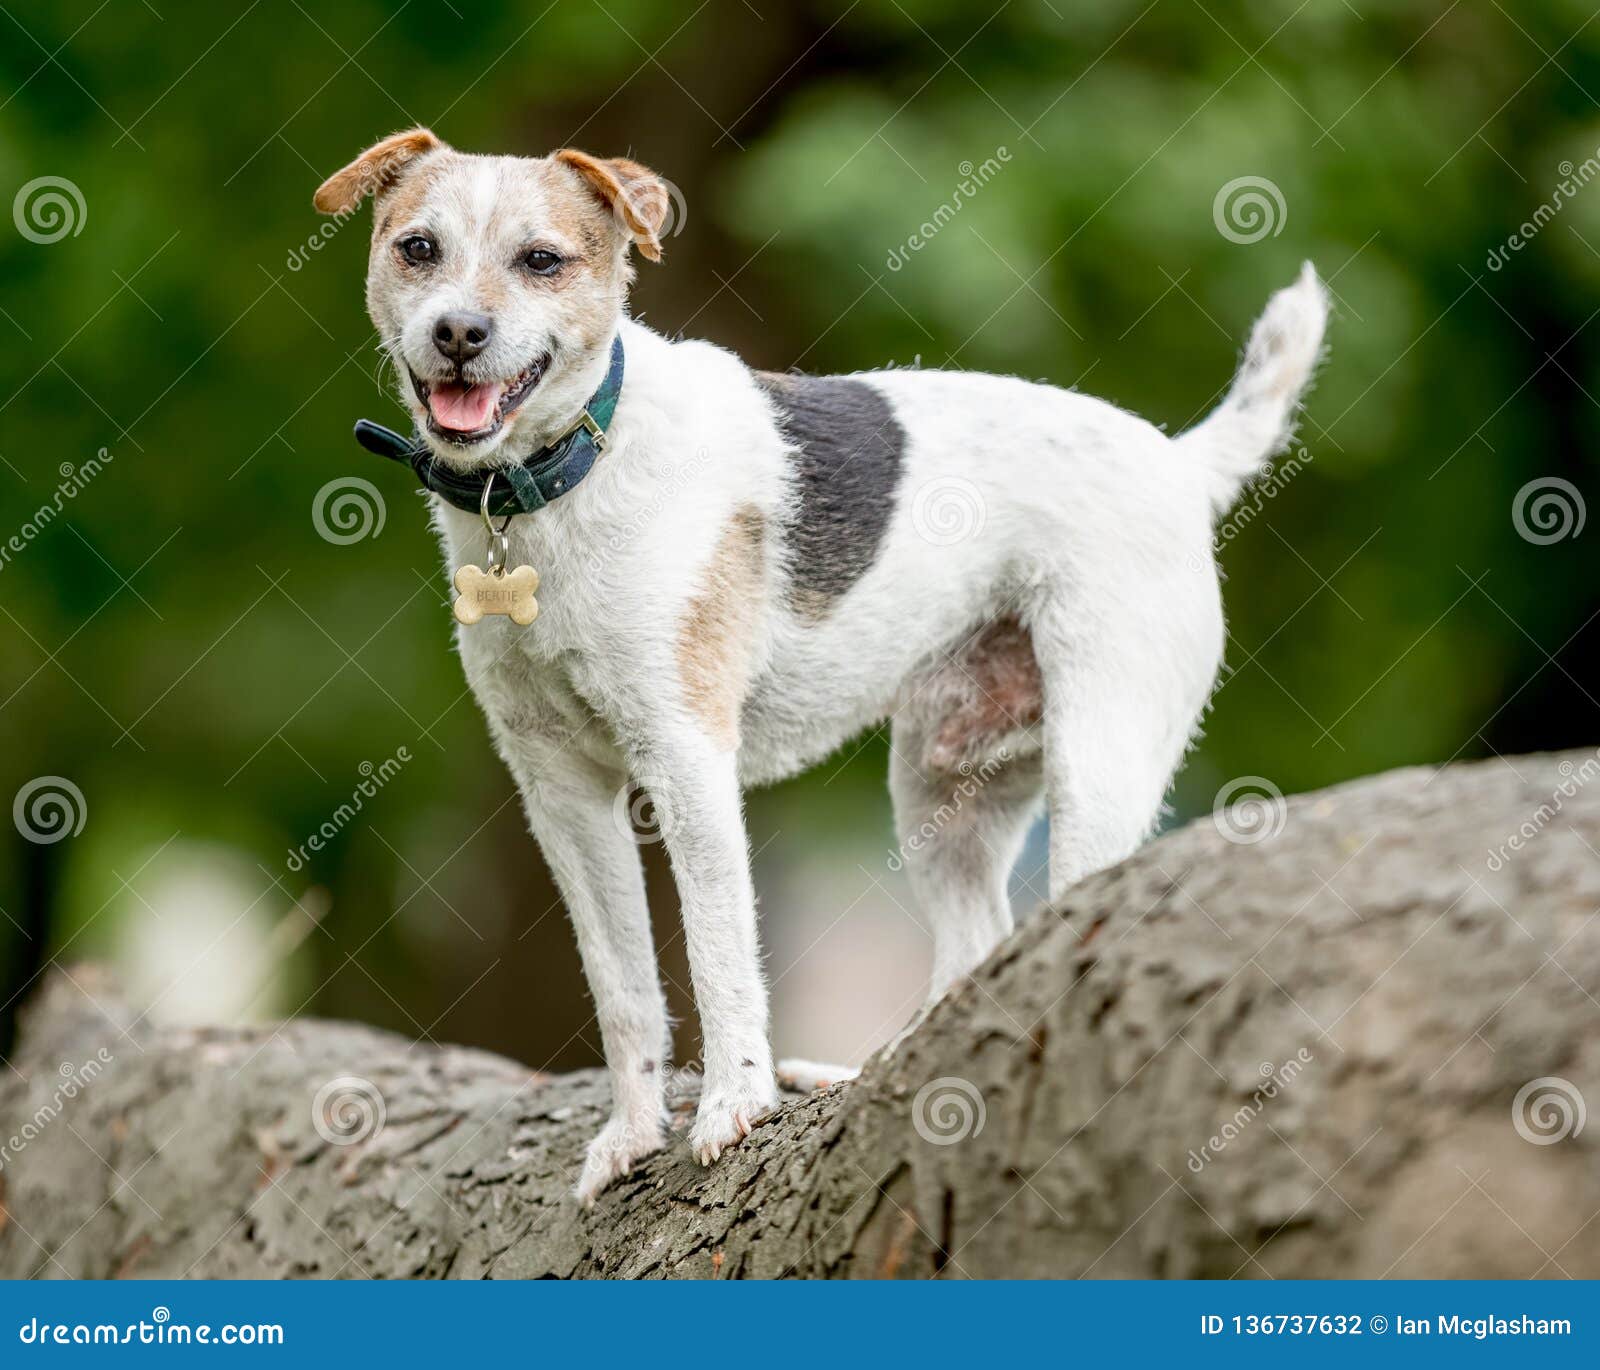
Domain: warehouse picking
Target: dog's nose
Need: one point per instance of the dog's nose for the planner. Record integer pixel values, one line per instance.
(462, 335)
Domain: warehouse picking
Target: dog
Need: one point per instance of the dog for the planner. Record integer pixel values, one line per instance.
(758, 566)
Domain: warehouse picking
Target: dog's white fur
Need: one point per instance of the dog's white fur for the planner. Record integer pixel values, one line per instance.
(1096, 539)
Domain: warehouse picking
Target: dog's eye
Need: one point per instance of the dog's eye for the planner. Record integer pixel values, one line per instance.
(541, 262)
(417, 248)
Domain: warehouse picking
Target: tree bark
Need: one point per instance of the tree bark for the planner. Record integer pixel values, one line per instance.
(1358, 1046)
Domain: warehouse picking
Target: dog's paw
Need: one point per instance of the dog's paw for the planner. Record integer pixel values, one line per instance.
(621, 1144)
(726, 1117)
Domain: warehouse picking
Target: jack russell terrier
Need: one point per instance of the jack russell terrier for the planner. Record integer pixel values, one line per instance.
(738, 570)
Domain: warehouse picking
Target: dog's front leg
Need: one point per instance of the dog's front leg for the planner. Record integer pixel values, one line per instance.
(696, 792)
(571, 807)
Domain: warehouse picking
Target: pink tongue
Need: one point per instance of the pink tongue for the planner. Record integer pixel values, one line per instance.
(462, 408)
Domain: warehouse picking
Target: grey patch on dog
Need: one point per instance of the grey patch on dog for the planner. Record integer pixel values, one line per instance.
(847, 457)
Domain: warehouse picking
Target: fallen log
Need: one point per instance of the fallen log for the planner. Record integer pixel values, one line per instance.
(1348, 1036)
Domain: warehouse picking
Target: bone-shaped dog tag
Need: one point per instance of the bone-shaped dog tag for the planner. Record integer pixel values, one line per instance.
(496, 591)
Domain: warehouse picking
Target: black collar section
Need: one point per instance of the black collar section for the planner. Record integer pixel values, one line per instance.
(533, 482)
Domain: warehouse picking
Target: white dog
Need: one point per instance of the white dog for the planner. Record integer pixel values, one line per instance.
(748, 568)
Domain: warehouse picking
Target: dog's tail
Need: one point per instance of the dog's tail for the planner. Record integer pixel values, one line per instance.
(1255, 421)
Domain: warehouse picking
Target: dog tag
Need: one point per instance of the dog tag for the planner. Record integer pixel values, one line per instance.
(496, 591)
(492, 589)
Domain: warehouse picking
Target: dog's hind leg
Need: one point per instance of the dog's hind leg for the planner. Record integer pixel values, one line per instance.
(961, 833)
(966, 777)
(1122, 698)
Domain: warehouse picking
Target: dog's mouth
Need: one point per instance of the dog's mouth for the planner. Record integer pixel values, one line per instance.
(466, 412)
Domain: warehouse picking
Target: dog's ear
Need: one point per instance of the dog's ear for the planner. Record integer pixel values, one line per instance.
(373, 171)
(635, 195)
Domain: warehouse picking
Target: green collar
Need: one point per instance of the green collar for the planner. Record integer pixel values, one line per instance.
(543, 476)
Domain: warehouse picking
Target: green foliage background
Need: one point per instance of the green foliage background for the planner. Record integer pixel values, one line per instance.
(185, 647)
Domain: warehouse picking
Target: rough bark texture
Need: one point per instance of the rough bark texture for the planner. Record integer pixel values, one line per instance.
(1418, 983)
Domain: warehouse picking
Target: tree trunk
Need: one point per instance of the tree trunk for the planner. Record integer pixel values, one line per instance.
(1352, 1037)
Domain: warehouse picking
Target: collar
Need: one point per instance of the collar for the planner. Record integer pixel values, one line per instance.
(533, 482)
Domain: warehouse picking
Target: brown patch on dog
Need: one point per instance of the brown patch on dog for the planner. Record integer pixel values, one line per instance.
(1003, 692)
(633, 194)
(373, 171)
(714, 639)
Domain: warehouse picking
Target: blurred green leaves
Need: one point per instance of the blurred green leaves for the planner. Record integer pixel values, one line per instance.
(186, 647)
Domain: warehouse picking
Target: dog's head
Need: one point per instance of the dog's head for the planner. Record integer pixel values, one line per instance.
(496, 283)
